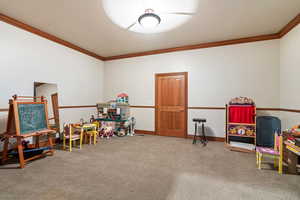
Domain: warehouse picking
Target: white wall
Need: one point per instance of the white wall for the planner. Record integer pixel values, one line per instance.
(26, 58)
(215, 76)
(290, 76)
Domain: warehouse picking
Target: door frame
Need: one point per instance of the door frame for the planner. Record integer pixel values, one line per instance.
(185, 74)
(56, 117)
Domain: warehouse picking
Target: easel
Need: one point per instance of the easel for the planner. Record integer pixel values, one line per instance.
(14, 129)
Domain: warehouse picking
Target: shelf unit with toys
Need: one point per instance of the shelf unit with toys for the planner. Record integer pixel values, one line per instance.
(241, 124)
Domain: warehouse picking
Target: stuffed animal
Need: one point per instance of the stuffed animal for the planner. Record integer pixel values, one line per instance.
(121, 132)
(233, 131)
(249, 132)
(106, 130)
(241, 130)
(241, 100)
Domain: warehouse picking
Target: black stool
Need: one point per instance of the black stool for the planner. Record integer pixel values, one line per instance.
(203, 139)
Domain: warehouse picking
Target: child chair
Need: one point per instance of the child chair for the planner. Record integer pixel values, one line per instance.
(70, 133)
(94, 132)
(276, 153)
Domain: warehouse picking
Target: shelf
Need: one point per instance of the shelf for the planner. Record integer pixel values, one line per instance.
(239, 149)
(251, 136)
(244, 124)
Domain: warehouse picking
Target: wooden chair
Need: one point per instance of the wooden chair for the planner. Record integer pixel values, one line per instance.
(72, 134)
(93, 132)
(276, 153)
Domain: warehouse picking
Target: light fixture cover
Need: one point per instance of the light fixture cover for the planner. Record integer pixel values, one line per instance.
(125, 13)
(149, 20)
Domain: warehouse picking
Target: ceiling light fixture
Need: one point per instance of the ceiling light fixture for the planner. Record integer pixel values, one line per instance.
(150, 16)
(149, 19)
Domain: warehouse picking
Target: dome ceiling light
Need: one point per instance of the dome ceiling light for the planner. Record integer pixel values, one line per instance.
(149, 19)
(150, 16)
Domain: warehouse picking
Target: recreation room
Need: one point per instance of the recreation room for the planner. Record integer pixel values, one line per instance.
(149, 99)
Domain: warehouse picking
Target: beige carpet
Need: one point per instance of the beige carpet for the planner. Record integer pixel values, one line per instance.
(147, 168)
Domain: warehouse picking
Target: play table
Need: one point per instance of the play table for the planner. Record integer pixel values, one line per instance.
(293, 154)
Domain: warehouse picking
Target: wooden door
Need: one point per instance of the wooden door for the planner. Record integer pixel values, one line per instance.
(55, 107)
(171, 104)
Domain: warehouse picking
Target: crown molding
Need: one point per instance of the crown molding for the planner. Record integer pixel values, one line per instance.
(196, 46)
(48, 36)
(294, 22)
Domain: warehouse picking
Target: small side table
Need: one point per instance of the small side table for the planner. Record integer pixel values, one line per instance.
(200, 122)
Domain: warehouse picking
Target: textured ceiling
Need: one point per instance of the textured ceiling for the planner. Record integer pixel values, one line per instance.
(84, 23)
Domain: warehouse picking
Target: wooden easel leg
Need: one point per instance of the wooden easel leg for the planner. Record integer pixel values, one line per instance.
(37, 142)
(5, 150)
(20, 151)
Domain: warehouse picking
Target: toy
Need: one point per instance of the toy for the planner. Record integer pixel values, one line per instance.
(241, 101)
(241, 124)
(113, 111)
(249, 132)
(121, 132)
(232, 131)
(296, 130)
(92, 119)
(122, 98)
(241, 130)
(107, 130)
